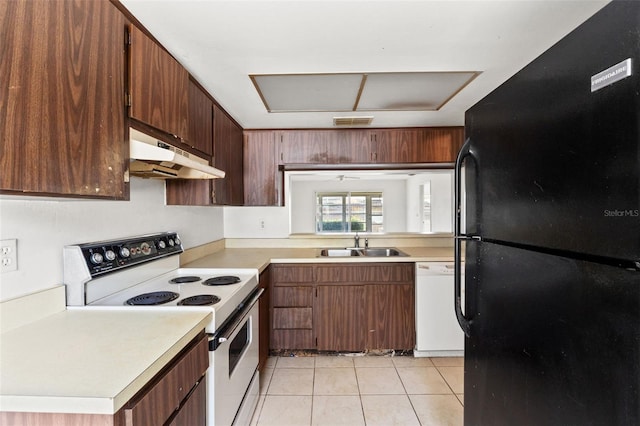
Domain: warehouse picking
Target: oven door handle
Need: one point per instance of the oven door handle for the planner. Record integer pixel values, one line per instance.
(229, 327)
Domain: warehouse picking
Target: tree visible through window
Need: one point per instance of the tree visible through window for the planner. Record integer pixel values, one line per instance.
(349, 212)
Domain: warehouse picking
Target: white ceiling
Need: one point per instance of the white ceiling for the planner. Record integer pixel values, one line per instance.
(222, 42)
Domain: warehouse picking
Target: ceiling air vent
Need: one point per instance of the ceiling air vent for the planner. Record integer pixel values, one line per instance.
(352, 121)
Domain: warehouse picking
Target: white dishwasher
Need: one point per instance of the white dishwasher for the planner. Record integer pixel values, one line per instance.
(437, 329)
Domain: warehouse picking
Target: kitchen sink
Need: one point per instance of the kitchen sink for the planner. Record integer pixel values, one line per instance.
(371, 252)
(382, 252)
(339, 252)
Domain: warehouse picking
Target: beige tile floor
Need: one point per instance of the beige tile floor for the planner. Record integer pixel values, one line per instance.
(360, 390)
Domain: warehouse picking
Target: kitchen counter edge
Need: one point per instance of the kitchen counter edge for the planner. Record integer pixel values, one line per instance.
(261, 258)
(38, 341)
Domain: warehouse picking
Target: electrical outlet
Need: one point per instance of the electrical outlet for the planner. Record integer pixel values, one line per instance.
(8, 255)
(261, 224)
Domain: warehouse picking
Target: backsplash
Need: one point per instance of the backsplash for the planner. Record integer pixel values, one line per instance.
(44, 227)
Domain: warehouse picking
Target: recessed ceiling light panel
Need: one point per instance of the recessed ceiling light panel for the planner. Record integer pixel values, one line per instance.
(308, 92)
(393, 91)
(407, 91)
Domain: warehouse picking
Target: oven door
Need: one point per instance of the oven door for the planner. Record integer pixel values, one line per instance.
(234, 363)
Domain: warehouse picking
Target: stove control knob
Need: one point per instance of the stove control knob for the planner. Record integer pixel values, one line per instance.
(171, 243)
(177, 241)
(110, 255)
(162, 244)
(124, 252)
(145, 248)
(96, 258)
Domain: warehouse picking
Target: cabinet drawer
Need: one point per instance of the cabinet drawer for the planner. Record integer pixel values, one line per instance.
(292, 296)
(363, 273)
(158, 402)
(292, 339)
(292, 317)
(194, 410)
(292, 274)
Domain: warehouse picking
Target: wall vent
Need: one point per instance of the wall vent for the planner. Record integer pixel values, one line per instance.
(352, 121)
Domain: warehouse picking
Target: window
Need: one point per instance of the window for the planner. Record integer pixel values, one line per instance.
(349, 212)
(426, 206)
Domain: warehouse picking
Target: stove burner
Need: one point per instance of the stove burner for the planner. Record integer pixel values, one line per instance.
(185, 279)
(223, 280)
(154, 298)
(200, 300)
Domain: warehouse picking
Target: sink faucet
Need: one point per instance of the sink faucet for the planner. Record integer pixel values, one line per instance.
(356, 240)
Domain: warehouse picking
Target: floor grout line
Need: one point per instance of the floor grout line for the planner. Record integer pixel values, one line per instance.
(354, 368)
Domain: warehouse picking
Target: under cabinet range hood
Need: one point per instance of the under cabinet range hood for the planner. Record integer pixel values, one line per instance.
(153, 158)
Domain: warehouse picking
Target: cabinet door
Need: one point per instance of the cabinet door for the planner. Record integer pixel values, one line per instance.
(340, 318)
(159, 87)
(305, 147)
(156, 403)
(260, 167)
(62, 111)
(396, 146)
(390, 316)
(228, 148)
(419, 145)
(354, 146)
(194, 410)
(200, 134)
(325, 146)
(440, 145)
(227, 145)
(189, 192)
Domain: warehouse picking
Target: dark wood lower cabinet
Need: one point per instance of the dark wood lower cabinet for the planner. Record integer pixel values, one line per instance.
(264, 318)
(171, 391)
(391, 316)
(176, 396)
(194, 409)
(343, 307)
(341, 318)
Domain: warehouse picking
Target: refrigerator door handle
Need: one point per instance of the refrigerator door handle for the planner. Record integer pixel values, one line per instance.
(464, 322)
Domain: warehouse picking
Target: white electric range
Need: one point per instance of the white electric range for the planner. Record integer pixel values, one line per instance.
(143, 272)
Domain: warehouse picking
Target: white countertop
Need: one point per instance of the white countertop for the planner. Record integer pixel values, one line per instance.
(260, 258)
(89, 360)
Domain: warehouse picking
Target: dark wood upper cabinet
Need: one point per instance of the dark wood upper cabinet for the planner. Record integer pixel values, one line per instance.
(62, 109)
(159, 86)
(367, 146)
(227, 149)
(262, 179)
(325, 146)
(200, 134)
(418, 145)
(306, 147)
(354, 146)
(227, 156)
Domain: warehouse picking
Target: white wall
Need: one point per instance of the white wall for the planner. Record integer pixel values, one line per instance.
(43, 227)
(441, 201)
(246, 222)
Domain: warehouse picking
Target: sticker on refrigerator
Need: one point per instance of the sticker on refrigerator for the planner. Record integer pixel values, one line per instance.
(611, 75)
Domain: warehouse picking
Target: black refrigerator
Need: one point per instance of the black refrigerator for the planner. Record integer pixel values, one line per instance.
(549, 228)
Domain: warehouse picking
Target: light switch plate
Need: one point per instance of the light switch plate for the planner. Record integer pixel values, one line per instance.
(8, 255)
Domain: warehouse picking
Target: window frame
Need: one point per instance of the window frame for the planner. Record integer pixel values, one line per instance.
(347, 211)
